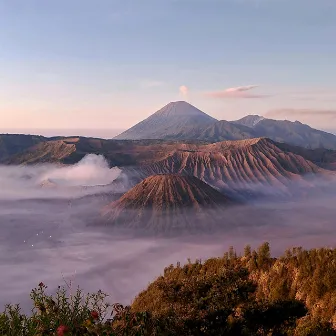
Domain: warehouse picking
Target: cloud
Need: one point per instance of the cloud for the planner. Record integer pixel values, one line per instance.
(45, 181)
(235, 92)
(241, 88)
(184, 90)
(92, 170)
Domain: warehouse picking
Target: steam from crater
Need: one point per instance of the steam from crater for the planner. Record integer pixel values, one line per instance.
(92, 170)
(87, 176)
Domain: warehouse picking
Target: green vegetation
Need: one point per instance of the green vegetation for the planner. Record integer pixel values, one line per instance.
(253, 294)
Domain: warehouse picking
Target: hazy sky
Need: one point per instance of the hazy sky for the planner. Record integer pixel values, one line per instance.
(110, 63)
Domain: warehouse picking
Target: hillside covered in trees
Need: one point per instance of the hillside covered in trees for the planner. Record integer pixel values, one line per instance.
(249, 294)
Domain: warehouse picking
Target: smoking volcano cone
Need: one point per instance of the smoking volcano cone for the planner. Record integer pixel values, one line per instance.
(168, 203)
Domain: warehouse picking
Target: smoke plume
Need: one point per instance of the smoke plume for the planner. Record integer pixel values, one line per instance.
(50, 181)
(184, 91)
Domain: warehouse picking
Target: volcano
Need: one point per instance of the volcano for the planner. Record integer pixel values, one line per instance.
(171, 120)
(166, 203)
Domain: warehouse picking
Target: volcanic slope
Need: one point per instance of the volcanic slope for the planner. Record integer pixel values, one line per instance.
(168, 203)
(52, 151)
(219, 131)
(241, 168)
(171, 120)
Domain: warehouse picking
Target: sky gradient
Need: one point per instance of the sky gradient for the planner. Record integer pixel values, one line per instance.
(107, 64)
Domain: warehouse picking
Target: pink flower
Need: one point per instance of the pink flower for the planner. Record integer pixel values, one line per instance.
(61, 330)
(94, 315)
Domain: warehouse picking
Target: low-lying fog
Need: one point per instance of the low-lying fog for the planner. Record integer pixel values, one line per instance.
(44, 234)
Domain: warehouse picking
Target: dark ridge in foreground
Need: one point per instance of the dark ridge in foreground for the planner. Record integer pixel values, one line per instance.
(162, 203)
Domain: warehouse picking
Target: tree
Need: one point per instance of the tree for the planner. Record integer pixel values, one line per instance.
(264, 255)
(247, 251)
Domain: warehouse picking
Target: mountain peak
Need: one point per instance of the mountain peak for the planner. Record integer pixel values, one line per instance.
(179, 102)
(180, 108)
(170, 120)
(250, 120)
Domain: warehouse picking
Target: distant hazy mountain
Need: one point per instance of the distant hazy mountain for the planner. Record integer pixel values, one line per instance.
(172, 119)
(182, 121)
(294, 133)
(249, 121)
(219, 131)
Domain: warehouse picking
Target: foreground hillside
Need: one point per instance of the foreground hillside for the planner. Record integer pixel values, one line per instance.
(236, 295)
(253, 294)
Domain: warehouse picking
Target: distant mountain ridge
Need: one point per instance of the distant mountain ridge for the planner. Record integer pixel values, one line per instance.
(182, 121)
(293, 133)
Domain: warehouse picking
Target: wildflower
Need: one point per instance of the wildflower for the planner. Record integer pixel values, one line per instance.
(41, 284)
(94, 315)
(62, 330)
(87, 323)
